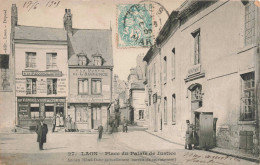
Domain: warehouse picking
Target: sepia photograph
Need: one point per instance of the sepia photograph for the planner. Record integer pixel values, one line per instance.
(125, 82)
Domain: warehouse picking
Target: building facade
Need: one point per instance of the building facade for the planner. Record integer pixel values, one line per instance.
(203, 66)
(90, 74)
(40, 57)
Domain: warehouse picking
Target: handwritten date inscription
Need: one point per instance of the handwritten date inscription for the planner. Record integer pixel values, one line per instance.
(36, 4)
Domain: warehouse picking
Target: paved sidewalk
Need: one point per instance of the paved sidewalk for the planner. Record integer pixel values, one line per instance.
(228, 152)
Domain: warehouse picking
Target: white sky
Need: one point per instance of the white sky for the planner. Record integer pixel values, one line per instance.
(87, 14)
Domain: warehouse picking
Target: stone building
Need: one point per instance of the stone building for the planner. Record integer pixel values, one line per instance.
(40, 74)
(205, 63)
(90, 74)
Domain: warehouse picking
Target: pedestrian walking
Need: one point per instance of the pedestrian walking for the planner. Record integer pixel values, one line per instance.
(53, 121)
(100, 132)
(68, 123)
(41, 130)
(125, 125)
(189, 136)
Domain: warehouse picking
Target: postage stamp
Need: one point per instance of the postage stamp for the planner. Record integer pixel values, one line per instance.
(134, 23)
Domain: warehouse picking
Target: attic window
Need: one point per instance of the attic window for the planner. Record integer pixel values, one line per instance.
(82, 60)
(97, 61)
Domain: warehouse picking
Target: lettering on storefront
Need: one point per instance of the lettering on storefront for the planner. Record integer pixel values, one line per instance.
(88, 99)
(41, 100)
(90, 72)
(194, 70)
(42, 73)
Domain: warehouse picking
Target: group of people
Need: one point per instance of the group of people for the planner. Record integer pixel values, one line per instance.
(58, 121)
(190, 136)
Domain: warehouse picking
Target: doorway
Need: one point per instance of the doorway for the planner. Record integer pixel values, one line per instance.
(95, 117)
(196, 103)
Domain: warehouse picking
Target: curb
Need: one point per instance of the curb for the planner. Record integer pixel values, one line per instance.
(210, 150)
(236, 156)
(164, 138)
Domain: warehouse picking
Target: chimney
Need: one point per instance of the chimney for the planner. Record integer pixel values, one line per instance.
(67, 20)
(14, 17)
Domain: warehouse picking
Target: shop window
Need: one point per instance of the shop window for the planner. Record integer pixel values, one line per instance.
(51, 86)
(248, 97)
(173, 108)
(165, 110)
(82, 59)
(96, 86)
(83, 86)
(165, 70)
(51, 60)
(35, 111)
(31, 86)
(49, 110)
(97, 61)
(250, 22)
(30, 60)
(196, 36)
(173, 62)
(81, 114)
(141, 114)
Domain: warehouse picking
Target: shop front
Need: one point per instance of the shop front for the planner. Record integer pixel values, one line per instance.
(88, 116)
(32, 109)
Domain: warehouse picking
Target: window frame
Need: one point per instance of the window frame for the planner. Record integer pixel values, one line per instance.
(173, 63)
(52, 65)
(33, 60)
(173, 108)
(32, 91)
(84, 79)
(97, 61)
(165, 110)
(165, 70)
(142, 114)
(197, 47)
(250, 99)
(52, 86)
(96, 79)
(252, 36)
(85, 59)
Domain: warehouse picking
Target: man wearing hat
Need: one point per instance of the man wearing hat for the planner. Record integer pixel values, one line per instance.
(41, 130)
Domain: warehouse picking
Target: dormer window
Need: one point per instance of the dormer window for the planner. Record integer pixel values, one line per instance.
(97, 61)
(82, 60)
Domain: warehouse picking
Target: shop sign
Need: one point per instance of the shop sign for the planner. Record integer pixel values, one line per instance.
(42, 100)
(194, 69)
(90, 72)
(42, 73)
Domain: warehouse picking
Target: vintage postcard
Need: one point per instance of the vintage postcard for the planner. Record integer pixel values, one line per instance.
(130, 82)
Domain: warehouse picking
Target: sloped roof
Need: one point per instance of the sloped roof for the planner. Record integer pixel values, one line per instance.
(40, 33)
(91, 42)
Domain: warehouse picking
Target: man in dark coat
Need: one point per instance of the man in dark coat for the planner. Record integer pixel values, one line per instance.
(100, 132)
(41, 130)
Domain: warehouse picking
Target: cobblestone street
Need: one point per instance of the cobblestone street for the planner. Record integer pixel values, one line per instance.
(134, 147)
